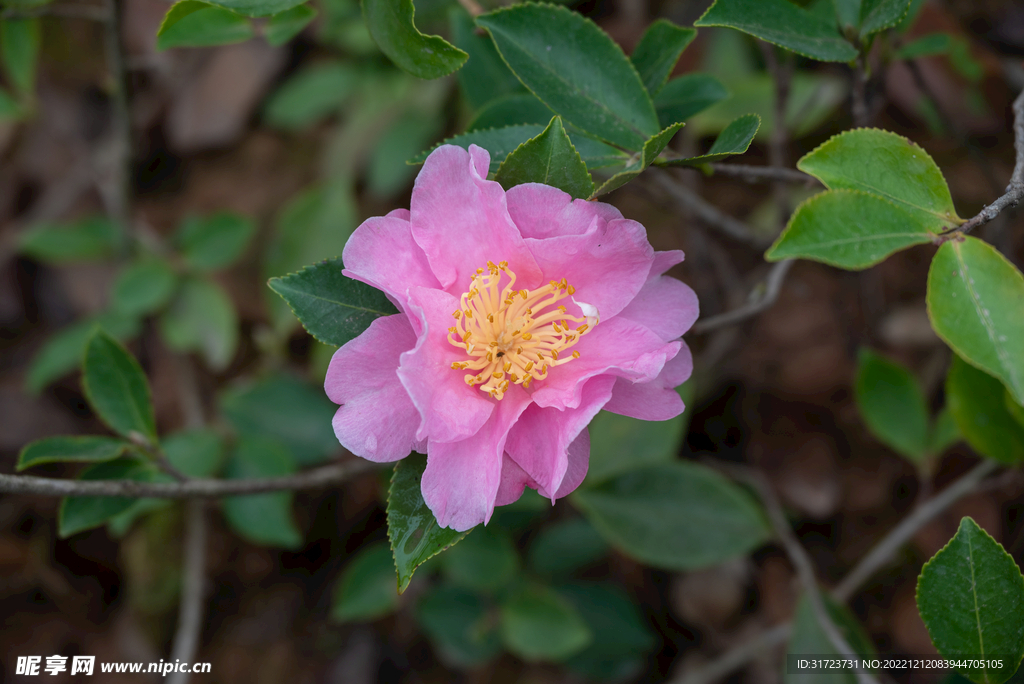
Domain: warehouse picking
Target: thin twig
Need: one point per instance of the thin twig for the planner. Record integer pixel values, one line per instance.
(193, 590)
(860, 98)
(772, 289)
(763, 174)
(705, 212)
(119, 194)
(782, 76)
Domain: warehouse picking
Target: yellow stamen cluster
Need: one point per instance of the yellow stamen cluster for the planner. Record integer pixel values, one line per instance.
(513, 336)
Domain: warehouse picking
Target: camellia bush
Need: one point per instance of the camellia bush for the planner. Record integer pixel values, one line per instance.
(505, 339)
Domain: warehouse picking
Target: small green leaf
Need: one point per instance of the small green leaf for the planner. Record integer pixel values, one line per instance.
(652, 148)
(485, 561)
(849, 229)
(485, 76)
(892, 405)
(258, 8)
(332, 307)
(619, 444)
(202, 319)
(554, 51)
(391, 25)
(70, 449)
(926, 46)
(661, 515)
(78, 513)
(976, 402)
(877, 15)
(686, 96)
(284, 26)
(191, 23)
(311, 95)
(538, 624)
(969, 595)
(366, 590)
(974, 296)
(94, 237)
(656, 54)
(414, 533)
(735, 139)
(196, 453)
(517, 109)
(566, 546)
(784, 24)
(63, 352)
(459, 624)
(19, 48)
(143, 287)
(1015, 409)
(116, 388)
(213, 242)
(808, 637)
(264, 519)
(944, 433)
(848, 13)
(551, 159)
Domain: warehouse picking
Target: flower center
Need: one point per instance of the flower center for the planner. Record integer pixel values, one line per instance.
(514, 336)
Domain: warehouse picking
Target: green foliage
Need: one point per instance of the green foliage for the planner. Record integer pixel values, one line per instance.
(974, 296)
(88, 449)
(284, 26)
(264, 519)
(412, 529)
(926, 46)
(485, 561)
(143, 287)
(686, 96)
(619, 444)
(93, 237)
(562, 548)
(214, 242)
(554, 51)
(391, 25)
(192, 23)
(388, 173)
(332, 307)
(310, 96)
(117, 388)
(63, 352)
(549, 158)
(969, 595)
(78, 513)
(945, 432)
(259, 8)
(538, 624)
(196, 453)
(735, 139)
(9, 108)
(19, 52)
(201, 318)
(976, 402)
(485, 76)
(661, 515)
(808, 637)
(516, 109)
(651, 149)
(366, 590)
(459, 624)
(656, 54)
(892, 404)
(877, 15)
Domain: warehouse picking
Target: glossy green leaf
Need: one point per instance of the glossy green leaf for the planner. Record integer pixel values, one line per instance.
(686, 96)
(735, 139)
(484, 561)
(848, 12)
(887, 165)
(538, 624)
(565, 547)
(93, 237)
(877, 15)
(926, 46)
(485, 76)
(849, 229)
(1015, 409)
(391, 25)
(652, 148)
(554, 51)
(619, 444)
(19, 49)
(549, 158)
(258, 8)
(366, 590)
(516, 109)
(656, 54)
(284, 26)
(214, 242)
(892, 404)
(143, 287)
(969, 595)
(809, 638)
(332, 307)
(414, 533)
(974, 303)
(287, 410)
(459, 624)
(976, 402)
(117, 389)
(85, 449)
(661, 515)
(202, 318)
(64, 351)
(196, 453)
(311, 95)
(191, 23)
(264, 519)
(78, 513)
(784, 24)
(944, 432)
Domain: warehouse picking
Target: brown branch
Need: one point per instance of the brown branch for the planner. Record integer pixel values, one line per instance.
(772, 287)
(193, 590)
(860, 96)
(763, 174)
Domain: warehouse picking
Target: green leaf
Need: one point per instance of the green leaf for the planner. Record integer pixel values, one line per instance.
(784, 24)
(387, 173)
(258, 8)
(892, 405)
(63, 352)
(926, 46)
(735, 139)
(516, 109)
(554, 51)
(619, 444)
(116, 388)
(551, 159)
(311, 95)
(889, 166)
(944, 433)
(974, 296)
(196, 453)
(976, 402)
(652, 148)
(202, 319)
(264, 519)
(485, 561)
(191, 23)
(332, 307)
(809, 638)
(366, 590)
(287, 410)
(877, 15)
(391, 25)
(969, 595)
(848, 13)
(284, 26)
(656, 54)
(213, 242)
(19, 48)
(686, 96)
(93, 237)
(414, 533)
(459, 624)
(10, 110)
(849, 229)
(143, 287)
(566, 546)
(538, 624)
(661, 515)
(78, 513)
(485, 76)
(1015, 409)
(70, 449)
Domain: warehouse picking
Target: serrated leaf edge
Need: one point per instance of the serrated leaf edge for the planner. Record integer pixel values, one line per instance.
(497, 174)
(21, 465)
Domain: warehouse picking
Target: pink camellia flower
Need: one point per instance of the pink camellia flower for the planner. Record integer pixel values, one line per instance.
(522, 314)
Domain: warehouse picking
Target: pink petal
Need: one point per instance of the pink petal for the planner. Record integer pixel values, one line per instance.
(541, 211)
(656, 399)
(461, 222)
(665, 305)
(376, 420)
(399, 214)
(579, 461)
(662, 261)
(382, 253)
(450, 410)
(462, 479)
(513, 481)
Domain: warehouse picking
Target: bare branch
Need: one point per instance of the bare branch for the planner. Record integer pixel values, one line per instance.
(860, 91)
(763, 174)
(193, 590)
(772, 289)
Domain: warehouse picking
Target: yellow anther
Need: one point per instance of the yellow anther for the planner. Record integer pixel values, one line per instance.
(519, 350)
(469, 313)
(457, 314)
(583, 328)
(527, 336)
(490, 356)
(529, 367)
(456, 365)
(524, 294)
(498, 374)
(560, 308)
(507, 366)
(502, 265)
(479, 271)
(571, 290)
(466, 336)
(515, 378)
(575, 355)
(453, 329)
(554, 354)
(563, 285)
(490, 317)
